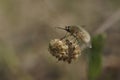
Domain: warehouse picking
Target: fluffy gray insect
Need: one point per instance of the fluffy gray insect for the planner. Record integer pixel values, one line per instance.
(79, 33)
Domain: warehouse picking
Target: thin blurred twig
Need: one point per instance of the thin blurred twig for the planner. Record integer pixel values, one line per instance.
(108, 23)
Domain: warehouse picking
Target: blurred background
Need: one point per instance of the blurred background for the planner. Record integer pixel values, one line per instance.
(27, 26)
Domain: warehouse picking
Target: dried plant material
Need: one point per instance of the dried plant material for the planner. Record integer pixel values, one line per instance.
(64, 50)
(57, 48)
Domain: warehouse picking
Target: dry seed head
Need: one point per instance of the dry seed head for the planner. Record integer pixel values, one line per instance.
(64, 51)
(57, 47)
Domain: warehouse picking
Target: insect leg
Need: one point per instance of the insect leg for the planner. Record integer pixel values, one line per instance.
(66, 35)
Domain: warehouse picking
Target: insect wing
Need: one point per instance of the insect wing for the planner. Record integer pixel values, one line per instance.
(85, 37)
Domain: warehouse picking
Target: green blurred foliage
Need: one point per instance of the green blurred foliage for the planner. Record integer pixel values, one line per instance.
(95, 57)
(11, 9)
(9, 65)
(115, 3)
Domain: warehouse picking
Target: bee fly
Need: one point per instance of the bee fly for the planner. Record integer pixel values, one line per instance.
(80, 34)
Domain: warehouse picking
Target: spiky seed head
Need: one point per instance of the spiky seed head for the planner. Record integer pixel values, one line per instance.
(62, 50)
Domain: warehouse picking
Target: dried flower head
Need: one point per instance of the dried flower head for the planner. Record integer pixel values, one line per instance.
(64, 50)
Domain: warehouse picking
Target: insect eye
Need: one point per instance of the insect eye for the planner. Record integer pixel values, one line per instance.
(67, 28)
